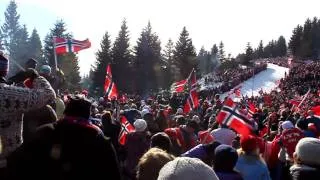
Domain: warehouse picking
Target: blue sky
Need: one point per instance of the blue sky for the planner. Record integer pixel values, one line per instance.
(235, 22)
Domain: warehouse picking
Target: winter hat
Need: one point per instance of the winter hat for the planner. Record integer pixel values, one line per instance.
(78, 107)
(140, 125)
(248, 143)
(187, 169)
(45, 69)
(196, 119)
(179, 111)
(287, 125)
(4, 65)
(308, 150)
(144, 112)
(225, 158)
(31, 63)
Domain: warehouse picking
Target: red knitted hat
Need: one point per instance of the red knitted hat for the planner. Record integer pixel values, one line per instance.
(248, 143)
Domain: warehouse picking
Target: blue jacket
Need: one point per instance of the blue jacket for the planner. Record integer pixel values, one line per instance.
(251, 168)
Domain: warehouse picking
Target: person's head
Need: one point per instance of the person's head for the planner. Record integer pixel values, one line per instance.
(287, 125)
(249, 144)
(225, 158)
(140, 125)
(302, 124)
(180, 120)
(210, 151)
(179, 111)
(45, 70)
(151, 162)
(161, 140)
(4, 65)
(31, 63)
(106, 119)
(192, 126)
(187, 169)
(78, 107)
(307, 152)
(196, 119)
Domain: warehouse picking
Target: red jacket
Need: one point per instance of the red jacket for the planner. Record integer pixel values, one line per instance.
(184, 139)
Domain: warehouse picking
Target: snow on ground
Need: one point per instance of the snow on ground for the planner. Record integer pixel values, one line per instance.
(265, 80)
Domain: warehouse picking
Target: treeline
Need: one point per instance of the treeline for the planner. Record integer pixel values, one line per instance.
(16, 41)
(305, 40)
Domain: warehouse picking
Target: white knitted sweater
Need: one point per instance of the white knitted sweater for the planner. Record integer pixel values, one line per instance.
(14, 101)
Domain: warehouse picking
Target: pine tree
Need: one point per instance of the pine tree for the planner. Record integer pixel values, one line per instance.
(171, 74)
(11, 32)
(122, 60)
(296, 41)
(1, 40)
(20, 52)
(148, 61)
(184, 54)
(202, 58)
(99, 72)
(248, 56)
(67, 63)
(11, 26)
(281, 47)
(214, 50)
(35, 48)
(260, 52)
(221, 51)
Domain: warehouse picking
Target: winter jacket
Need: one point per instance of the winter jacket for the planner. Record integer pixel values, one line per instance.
(304, 172)
(251, 168)
(137, 143)
(65, 150)
(14, 101)
(228, 175)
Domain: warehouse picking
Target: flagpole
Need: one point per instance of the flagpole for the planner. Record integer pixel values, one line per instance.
(55, 56)
(252, 83)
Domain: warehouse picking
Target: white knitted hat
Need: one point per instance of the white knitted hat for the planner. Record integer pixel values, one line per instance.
(185, 168)
(196, 119)
(308, 150)
(140, 125)
(287, 125)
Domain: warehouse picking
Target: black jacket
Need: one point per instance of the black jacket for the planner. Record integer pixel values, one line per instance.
(303, 172)
(65, 150)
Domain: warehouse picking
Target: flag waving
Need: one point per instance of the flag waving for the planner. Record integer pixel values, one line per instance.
(233, 118)
(110, 88)
(126, 128)
(64, 45)
(192, 101)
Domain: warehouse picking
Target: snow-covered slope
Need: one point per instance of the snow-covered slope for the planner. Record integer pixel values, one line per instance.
(265, 80)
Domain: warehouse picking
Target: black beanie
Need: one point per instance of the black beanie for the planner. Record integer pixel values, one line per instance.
(78, 107)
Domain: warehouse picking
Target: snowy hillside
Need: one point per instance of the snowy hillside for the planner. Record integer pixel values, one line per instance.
(265, 80)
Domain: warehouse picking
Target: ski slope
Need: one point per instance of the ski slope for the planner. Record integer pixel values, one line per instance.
(265, 80)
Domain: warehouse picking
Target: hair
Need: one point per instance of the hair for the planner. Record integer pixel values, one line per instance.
(151, 162)
(161, 140)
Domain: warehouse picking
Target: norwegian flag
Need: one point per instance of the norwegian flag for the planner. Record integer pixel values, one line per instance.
(251, 108)
(231, 116)
(126, 128)
(110, 88)
(178, 86)
(64, 45)
(192, 101)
